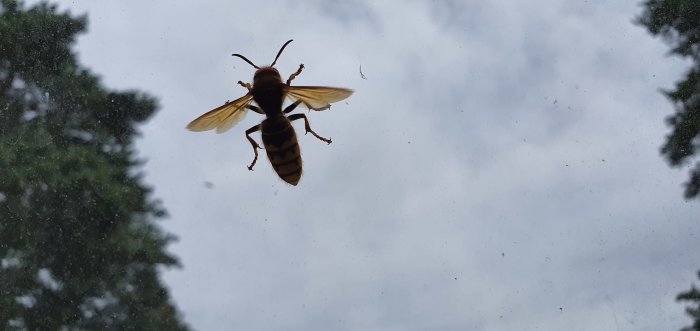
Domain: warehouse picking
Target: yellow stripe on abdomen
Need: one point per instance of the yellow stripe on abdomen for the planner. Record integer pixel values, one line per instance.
(282, 149)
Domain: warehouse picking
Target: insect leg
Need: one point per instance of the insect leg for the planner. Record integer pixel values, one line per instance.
(308, 127)
(294, 75)
(252, 142)
(246, 85)
(256, 109)
(291, 107)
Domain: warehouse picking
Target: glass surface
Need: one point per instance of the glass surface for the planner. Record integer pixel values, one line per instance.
(497, 167)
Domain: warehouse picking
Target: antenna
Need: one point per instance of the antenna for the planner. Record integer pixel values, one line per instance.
(246, 60)
(280, 52)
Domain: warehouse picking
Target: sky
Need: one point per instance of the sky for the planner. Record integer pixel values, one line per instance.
(497, 168)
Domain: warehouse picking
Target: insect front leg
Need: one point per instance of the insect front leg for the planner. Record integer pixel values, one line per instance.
(252, 142)
(294, 75)
(308, 127)
(246, 85)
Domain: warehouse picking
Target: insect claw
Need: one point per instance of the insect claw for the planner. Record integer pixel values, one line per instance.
(250, 167)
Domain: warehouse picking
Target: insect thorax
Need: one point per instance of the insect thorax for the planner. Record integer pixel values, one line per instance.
(268, 90)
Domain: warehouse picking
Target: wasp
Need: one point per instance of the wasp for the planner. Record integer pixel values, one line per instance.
(278, 136)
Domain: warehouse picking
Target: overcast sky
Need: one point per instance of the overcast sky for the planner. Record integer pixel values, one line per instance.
(498, 168)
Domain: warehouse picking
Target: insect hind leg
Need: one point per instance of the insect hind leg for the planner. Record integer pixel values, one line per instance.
(253, 143)
(308, 127)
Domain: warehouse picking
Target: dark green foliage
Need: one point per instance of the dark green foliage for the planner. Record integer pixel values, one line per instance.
(79, 249)
(693, 295)
(678, 22)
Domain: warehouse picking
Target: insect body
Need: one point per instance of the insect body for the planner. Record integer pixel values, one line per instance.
(268, 92)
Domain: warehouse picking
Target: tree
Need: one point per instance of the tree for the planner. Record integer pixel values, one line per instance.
(692, 295)
(678, 22)
(79, 247)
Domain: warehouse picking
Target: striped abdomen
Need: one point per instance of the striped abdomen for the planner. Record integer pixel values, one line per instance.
(282, 148)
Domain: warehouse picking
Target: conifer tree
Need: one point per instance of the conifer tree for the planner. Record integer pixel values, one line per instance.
(79, 247)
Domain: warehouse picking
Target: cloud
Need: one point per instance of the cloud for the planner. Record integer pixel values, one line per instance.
(498, 169)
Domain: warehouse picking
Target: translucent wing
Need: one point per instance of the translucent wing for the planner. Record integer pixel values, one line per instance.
(224, 117)
(317, 97)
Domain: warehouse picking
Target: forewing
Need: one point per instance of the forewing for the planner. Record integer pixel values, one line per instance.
(224, 117)
(317, 97)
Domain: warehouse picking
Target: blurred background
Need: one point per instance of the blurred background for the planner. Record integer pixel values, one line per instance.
(500, 166)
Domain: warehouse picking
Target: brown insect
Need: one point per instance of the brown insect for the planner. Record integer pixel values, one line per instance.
(268, 92)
